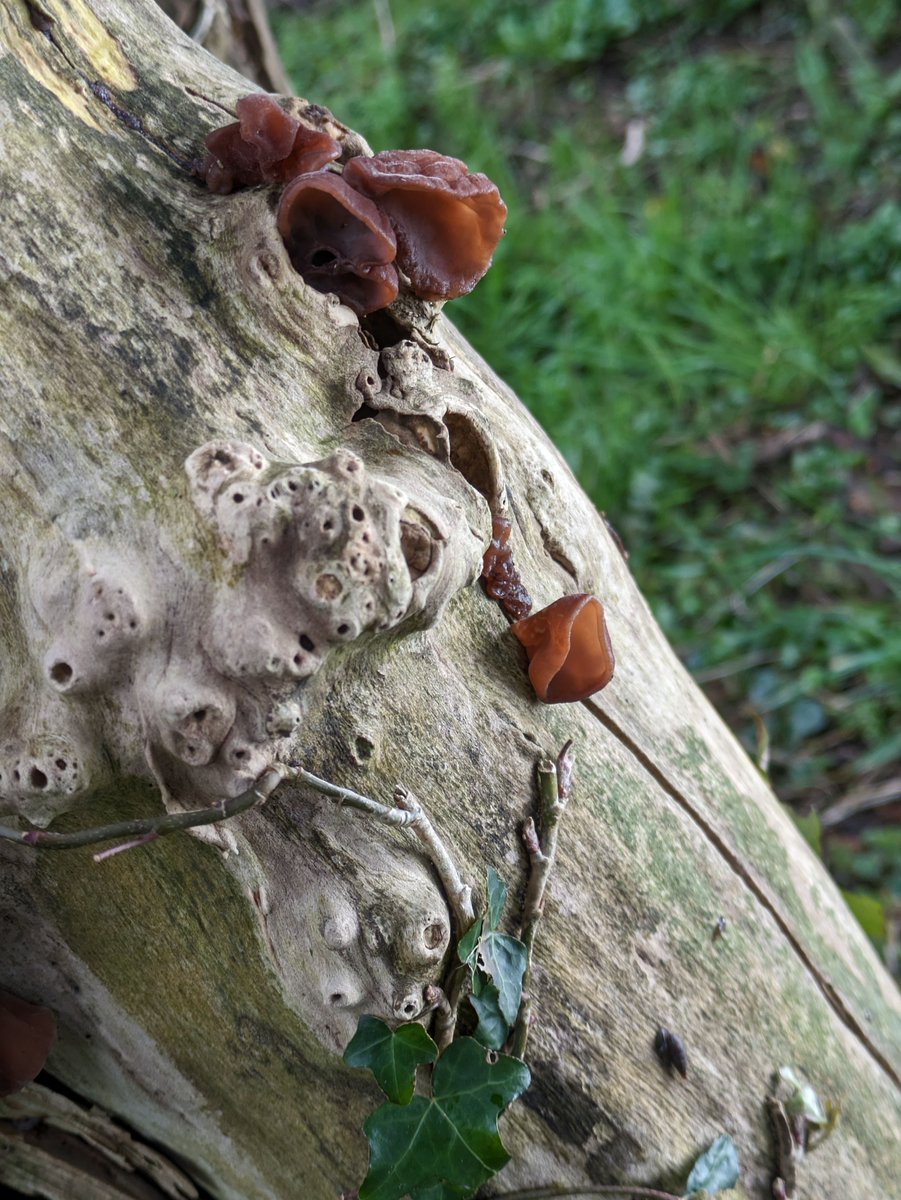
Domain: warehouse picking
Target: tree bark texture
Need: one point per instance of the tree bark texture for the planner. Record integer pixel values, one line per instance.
(152, 654)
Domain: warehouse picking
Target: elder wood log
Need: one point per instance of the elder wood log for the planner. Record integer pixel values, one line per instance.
(167, 380)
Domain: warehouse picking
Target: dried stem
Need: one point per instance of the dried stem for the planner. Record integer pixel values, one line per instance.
(446, 1019)
(147, 829)
(435, 1001)
(458, 893)
(345, 796)
(407, 813)
(554, 789)
(134, 844)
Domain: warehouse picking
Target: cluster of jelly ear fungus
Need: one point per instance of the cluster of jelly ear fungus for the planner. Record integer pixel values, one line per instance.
(411, 211)
(567, 643)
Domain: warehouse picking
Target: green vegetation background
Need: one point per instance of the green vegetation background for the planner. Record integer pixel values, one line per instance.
(707, 326)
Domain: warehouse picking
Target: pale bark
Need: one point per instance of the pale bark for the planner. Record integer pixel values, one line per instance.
(202, 995)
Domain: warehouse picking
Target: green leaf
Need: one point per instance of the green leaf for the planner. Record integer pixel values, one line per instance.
(716, 1170)
(466, 947)
(505, 959)
(870, 913)
(884, 363)
(811, 829)
(492, 1029)
(441, 1191)
(391, 1055)
(497, 898)
(447, 1146)
(803, 1101)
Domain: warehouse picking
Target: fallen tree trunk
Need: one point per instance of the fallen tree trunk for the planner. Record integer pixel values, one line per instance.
(156, 655)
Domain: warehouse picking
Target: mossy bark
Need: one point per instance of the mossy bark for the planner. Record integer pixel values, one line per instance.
(141, 318)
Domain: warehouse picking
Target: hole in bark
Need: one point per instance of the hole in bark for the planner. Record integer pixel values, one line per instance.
(470, 455)
(433, 935)
(364, 748)
(61, 673)
(384, 329)
(364, 413)
(37, 778)
(416, 547)
(328, 587)
(307, 642)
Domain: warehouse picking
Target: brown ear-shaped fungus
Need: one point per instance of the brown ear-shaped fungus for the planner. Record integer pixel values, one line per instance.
(570, 656)
(448, 222)
(27, 1034)
(338, 241)
(264, 145)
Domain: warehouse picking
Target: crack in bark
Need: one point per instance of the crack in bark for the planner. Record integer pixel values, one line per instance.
(130, 121)
(44, 23)
(557, 554)
(828, 989)
(209, 100)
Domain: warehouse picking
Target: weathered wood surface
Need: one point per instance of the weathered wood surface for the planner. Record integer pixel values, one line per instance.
(141, 318)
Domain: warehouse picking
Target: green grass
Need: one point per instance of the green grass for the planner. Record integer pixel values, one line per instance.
(675, 322)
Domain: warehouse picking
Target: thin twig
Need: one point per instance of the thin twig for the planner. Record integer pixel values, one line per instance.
(435, 1001)
(552, 1192)
(458, 893)
(456, 987)
(407, 813)
(204, 22)
(459, 896)
(345, 796)
(554, 790)
(138, 829)
(134, 844)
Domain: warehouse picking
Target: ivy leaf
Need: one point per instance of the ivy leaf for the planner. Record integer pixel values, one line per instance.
(716, 1170)
(505, 959)
(441, 1191)
(497, 898)
(466, 947)
(447, 1146)
(803, 1101)
(492, 1029)
(391, 1055)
